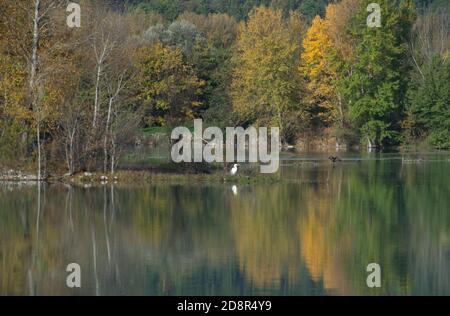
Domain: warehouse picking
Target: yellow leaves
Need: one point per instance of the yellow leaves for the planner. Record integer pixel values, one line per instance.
(318, 49)
(326, 43)
(55, 80)
(161, 105)
(317, 46)
(168, 87)
(266, 80)
(336, 21)
(13, 88)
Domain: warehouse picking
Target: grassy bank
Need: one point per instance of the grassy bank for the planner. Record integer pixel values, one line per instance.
(130, 177)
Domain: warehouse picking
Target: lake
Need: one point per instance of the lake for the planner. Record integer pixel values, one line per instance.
(312, 233)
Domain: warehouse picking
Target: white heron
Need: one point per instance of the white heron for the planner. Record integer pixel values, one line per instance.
(234, 170)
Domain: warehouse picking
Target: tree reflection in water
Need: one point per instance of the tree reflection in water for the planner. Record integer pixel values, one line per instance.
(312, 234)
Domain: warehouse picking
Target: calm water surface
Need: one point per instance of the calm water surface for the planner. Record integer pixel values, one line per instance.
(313, 233)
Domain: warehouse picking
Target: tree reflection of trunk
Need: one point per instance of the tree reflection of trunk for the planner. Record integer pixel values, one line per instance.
(113, 207)
(105, 204)
(69, 205)
(94, 252)
(35, 248)
(111, 223)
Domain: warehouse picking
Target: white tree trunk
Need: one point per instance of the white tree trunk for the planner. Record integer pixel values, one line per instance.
(113, 155)
(113, 95)
(370, 144)
(97, 93)
(38, 135)
(32, 83)
(100, 58)
(105, 141)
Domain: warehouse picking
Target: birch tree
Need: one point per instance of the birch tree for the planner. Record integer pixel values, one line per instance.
(39, 12)
(102, 47)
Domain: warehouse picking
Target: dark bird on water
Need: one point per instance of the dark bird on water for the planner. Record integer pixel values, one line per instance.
(334, 159)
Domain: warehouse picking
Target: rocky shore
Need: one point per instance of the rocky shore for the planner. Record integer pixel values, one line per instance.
(19, 176)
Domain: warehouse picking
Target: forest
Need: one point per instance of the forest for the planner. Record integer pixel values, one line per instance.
(75, 99)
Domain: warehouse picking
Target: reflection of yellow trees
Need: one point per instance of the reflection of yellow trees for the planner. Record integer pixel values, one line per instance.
(25, 253)
(181, 230)
(166, 216)
(265, 235)
(34, 253)
(349, 223)
(13, 251)
(320, 250)
(166, 239)
(313, 245)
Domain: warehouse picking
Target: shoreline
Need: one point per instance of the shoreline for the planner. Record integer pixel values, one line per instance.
(139, 177)
(146, 177)
(167, 173)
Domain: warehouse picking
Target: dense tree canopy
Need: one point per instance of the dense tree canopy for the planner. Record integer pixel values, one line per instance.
(377, 87)
(266, 83)
(78, 97)
(238, 9)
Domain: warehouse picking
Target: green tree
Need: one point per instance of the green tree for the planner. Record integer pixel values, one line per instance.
(429, 103)
(170, 9)
(213, 63)
(377, 87)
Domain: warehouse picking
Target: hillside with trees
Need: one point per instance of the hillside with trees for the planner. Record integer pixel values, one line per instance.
(75, 98)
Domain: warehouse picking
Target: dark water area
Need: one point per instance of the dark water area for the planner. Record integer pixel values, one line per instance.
(312, 233)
